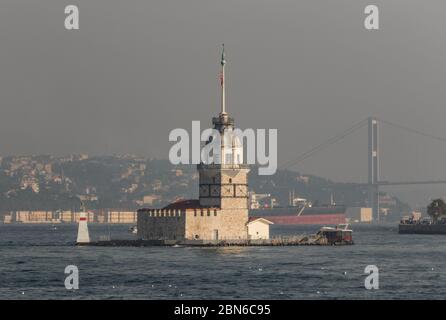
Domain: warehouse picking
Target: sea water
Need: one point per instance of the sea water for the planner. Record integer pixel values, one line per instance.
(33, 259)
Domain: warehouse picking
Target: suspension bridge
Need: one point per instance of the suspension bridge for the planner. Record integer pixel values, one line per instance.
(373, 156)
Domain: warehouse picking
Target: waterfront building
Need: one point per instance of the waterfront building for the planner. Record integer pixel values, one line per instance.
(258, 228)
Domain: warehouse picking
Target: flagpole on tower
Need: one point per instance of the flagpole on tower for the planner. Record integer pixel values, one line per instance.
(222, 80)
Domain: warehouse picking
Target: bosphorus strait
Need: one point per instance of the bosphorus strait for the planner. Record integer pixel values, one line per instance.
(33, 259)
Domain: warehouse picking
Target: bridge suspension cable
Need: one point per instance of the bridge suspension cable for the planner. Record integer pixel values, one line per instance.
(324, 145)
(346, 133)
(409, 129)
(373, 182)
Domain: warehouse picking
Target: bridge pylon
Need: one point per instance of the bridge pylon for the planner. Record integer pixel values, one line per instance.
(373, 167)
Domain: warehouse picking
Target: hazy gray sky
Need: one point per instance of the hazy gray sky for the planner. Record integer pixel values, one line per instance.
(137, 69)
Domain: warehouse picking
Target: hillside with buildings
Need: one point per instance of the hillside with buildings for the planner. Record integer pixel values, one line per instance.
(49, 183)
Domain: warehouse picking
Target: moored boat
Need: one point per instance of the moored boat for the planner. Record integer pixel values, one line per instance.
(341, 234)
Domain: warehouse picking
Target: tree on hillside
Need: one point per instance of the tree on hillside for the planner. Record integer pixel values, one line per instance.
(436, 209)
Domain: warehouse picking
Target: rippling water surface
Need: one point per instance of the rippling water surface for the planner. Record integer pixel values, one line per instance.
(33, 259)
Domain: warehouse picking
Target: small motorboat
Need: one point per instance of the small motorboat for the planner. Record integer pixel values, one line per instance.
(341, 234)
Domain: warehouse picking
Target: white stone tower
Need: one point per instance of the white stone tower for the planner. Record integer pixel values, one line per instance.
(224, 183)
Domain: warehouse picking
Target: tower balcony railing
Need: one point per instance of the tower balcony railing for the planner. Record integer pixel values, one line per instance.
(220, 121)
(223, 166)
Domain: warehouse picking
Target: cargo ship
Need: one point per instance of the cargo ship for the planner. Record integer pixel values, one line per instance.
(322, 215)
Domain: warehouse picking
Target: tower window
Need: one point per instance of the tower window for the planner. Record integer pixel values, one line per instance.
(230, 180)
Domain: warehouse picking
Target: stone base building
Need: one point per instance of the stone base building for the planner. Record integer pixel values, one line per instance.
(187, 220)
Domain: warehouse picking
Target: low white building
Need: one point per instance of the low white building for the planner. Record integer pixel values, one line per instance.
(359, 214)
(258, 228)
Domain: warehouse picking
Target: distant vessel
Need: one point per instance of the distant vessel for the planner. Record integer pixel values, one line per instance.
(302, 214)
